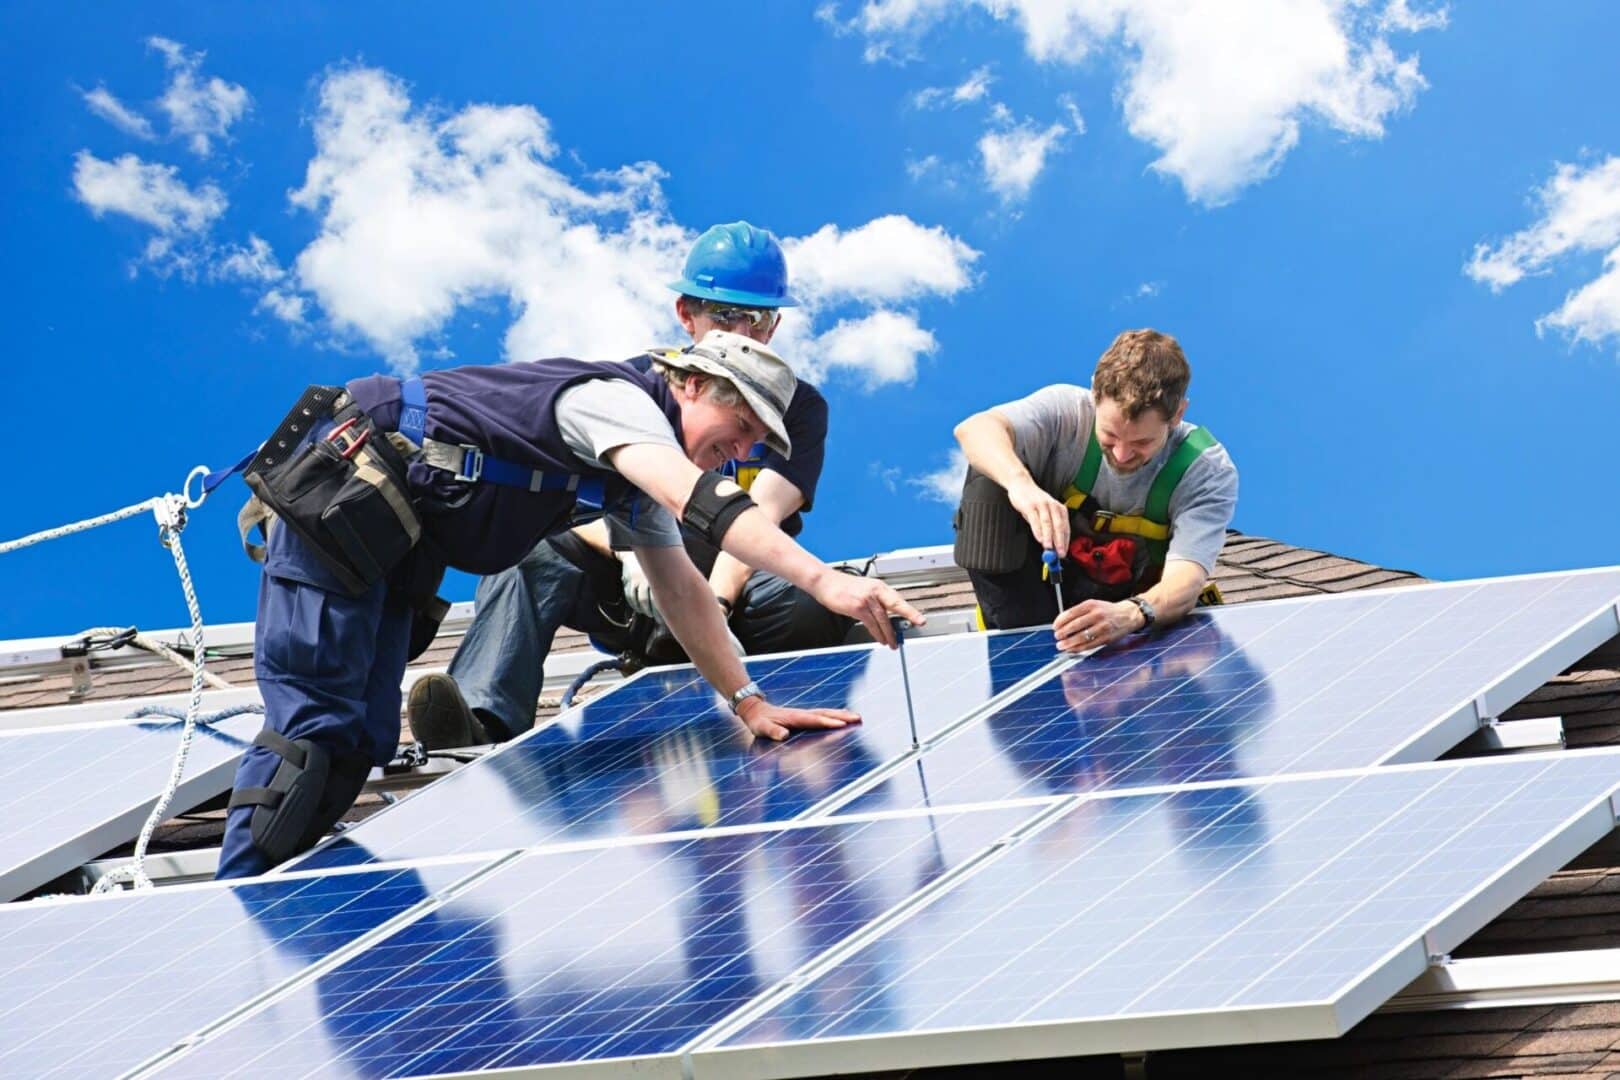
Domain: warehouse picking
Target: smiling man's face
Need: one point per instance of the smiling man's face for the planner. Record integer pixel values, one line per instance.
(713, 433)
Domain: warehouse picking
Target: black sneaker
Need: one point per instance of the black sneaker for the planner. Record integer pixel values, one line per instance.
(439, 716)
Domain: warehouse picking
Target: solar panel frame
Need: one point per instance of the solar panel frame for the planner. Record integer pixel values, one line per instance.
(709, 1057)
(121, 814)
(1476, 707)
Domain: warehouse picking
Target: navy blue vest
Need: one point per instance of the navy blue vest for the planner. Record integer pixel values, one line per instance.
(508, 411)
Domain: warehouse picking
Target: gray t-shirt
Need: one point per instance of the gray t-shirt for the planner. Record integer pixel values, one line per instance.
(601, 415)
(1051, 428)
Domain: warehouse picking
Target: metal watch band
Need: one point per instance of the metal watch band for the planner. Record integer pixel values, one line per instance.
(744, 692)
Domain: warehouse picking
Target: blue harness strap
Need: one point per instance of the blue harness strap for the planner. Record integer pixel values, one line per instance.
(413, 409)
(478, 466)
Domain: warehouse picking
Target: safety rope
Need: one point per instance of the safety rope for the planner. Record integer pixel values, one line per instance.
(171, 515)
(80, 526)
(135, 639)
(170, 511)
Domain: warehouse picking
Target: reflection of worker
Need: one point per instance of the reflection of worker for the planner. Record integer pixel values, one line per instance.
(302, 925)
(1134, 498)
(471, 467)
(1169, 710)
(735, 279)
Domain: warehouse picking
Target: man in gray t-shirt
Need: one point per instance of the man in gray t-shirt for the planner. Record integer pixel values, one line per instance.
(1134, 498)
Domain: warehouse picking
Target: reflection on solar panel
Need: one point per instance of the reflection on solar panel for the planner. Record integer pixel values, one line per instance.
(1235, 913)
(660, 753)
(1261, 690)
(1200, 906)
(69, 794)
(95, 987)
(613, 952)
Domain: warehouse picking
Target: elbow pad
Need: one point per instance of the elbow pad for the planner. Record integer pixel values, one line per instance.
(709, 513)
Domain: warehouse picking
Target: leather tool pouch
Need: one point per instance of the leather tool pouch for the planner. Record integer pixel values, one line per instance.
(344, 493)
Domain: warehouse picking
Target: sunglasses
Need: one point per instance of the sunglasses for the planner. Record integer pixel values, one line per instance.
(758, 318)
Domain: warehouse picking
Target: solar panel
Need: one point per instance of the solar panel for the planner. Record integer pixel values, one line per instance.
(68, 794)
(614, 952)
(659, 753)
(1226, 913)
(93, 987)
(1265, 689)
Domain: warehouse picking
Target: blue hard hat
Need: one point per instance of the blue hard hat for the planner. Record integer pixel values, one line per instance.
(737, 264)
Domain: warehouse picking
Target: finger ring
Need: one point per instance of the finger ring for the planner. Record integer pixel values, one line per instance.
(1088, 635)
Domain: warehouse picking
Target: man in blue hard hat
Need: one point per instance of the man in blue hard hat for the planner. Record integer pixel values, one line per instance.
(735, 279)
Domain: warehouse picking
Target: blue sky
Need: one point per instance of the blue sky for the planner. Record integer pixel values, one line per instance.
(1388, 235)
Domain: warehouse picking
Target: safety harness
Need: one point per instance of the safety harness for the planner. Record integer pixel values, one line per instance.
(472, 464)
(1152, 525)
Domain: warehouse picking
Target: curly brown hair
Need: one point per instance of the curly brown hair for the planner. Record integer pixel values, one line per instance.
(1142, 370)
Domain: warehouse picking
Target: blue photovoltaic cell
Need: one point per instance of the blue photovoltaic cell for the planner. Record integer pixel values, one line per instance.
(660, 754)
(93, 987)
(58, 785)
(619, 951)
(1240, 897)
(1250, 691)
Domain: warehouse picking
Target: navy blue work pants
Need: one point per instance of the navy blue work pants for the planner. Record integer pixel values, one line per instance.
(328, 667)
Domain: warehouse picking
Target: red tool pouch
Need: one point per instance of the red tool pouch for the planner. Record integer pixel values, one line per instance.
(1111, 562)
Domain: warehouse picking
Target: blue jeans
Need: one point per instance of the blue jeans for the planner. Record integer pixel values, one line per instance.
(562, 582)
(499, 665)
(328, 667)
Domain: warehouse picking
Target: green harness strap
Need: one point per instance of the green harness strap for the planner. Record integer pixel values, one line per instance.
(1156, 511)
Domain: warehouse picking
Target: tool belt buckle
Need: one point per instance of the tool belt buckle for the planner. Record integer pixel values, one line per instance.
(1103, 520)
(472, 464)
(347, 440)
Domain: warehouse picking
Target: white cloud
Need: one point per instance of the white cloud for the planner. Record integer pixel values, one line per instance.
(155, 196)
(972, 89)
(152, 194)
(101, 102)
(889, 259)
(254, 263)
(1580, 214)
(1222, 90)
(1013, 158)
(422, 214)
(881, 348)
(945, 483)
(198, 110)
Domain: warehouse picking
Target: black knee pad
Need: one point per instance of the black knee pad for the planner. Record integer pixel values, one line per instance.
(345, 778)
(285, 810)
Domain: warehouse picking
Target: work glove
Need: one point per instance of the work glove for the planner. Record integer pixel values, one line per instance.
(637, 589)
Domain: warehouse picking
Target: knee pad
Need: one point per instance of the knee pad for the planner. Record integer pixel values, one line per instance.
(346, 776)
(991, 536)
(285, 810)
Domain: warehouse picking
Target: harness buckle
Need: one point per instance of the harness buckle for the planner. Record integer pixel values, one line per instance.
(1103, 520)
(472, 464)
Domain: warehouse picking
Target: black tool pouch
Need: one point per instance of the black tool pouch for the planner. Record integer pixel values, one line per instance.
(347, 498)
(991, 537)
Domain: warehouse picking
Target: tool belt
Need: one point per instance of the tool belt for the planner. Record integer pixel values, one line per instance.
(344, 492)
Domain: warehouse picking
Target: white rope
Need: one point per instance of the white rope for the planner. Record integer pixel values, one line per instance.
(139, 640)
(171, 514)
(80, 526)
(170, 511)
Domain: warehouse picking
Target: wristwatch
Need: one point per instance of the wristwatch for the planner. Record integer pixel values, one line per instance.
(743, 693)
(1142, 605)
